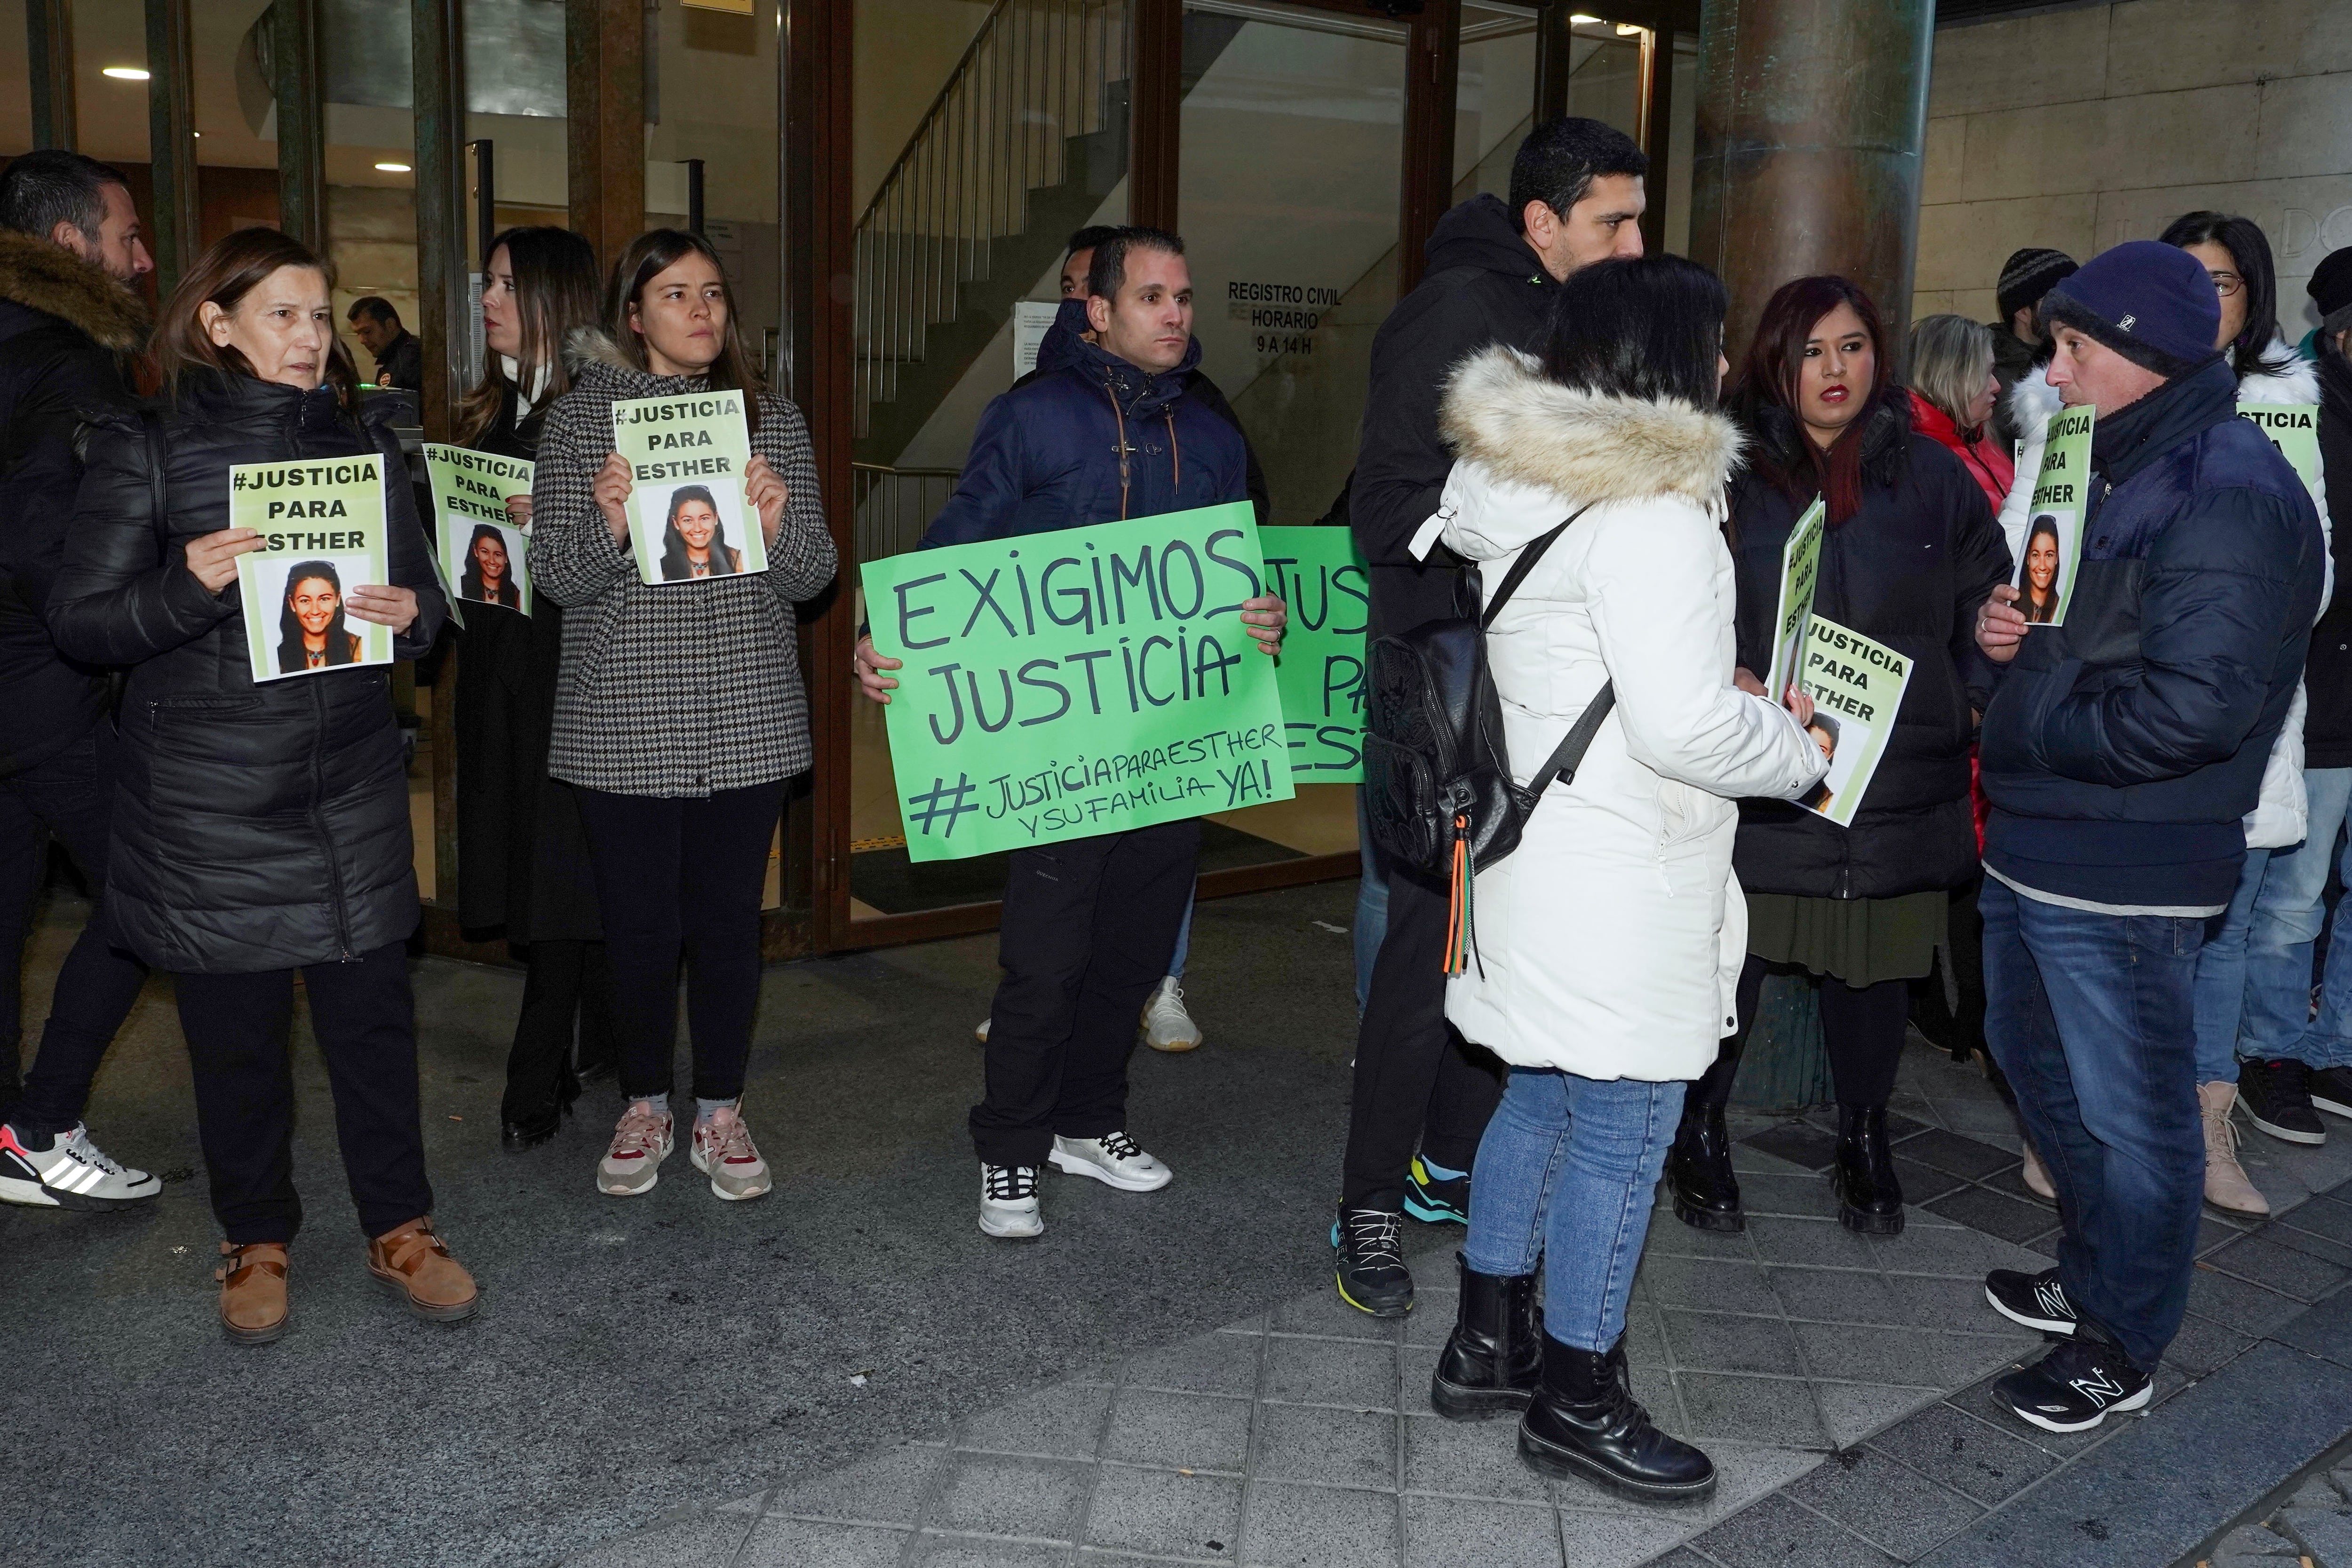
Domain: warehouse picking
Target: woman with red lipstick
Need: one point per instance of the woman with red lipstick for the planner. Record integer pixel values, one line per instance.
(1910, 552)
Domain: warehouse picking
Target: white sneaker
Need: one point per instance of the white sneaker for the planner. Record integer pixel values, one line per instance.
(1166, 1025)
(981, 1032)
(641, 1141)
(1113, 1158)
(1008, 1201)
(723, 1151)
(69, 1172)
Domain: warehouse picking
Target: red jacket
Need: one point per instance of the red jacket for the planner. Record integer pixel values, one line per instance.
(1986, 459)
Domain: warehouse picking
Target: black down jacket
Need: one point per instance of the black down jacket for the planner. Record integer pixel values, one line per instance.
(1909, 570)
(256, 827)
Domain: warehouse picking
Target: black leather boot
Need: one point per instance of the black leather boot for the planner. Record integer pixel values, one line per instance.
(1698, 1171)
(1494, 1358)
(1585, 1422)
(1870, 1195)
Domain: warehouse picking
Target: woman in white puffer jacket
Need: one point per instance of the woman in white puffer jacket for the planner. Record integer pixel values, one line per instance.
(2238, 256)
(1609, 944)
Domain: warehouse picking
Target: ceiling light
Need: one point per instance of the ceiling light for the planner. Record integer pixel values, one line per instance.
(124, 73)
(393, 168)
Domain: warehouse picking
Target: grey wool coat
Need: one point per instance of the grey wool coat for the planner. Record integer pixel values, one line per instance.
(665, 690)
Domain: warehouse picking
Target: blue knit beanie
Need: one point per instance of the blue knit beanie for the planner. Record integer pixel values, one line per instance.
(2153, 303)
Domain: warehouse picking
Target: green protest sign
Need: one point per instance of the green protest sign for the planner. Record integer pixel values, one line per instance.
(1319, 574)
(1801, 566)
(2293, 429)
(323, 533)
(688, 521)
(2054, 529)
(1090, 680)
(1856, 686)
(480, 552)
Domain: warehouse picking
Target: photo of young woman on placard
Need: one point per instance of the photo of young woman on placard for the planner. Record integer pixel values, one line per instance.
(311, 633)
(491, 575)
(2043, 596)
(1823, 732)
(694, 540)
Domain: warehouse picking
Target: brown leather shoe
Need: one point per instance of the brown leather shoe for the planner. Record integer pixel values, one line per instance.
(411, 1260)
(253, 1306)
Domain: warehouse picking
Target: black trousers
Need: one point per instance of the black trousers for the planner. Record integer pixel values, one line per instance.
(679, 881)
(365, 1018)
(1862, 1028)
(1418, 1083)
(567, 995)
(1087, 927)
(70, 796)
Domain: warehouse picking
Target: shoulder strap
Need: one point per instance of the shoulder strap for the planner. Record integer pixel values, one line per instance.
(1525, 565)
(1568, 755)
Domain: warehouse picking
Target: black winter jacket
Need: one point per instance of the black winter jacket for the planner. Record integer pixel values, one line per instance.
(1483, 285)
(2327, 672)
(1909, 570)
(65, 328)
(522, 850)
(256, 827)
(2122, 750)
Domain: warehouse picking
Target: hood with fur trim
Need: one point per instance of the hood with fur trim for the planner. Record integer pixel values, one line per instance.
(1501, 412)
(49, 278)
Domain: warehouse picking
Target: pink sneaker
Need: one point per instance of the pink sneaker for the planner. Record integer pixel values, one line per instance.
(724, 1151)
(640, 1143)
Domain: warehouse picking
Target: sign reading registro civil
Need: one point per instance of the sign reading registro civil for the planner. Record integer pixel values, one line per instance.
(322, 526)
(1320, 574)
(1090, 680)
(688, 520)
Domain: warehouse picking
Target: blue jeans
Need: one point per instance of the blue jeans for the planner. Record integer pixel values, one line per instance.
(2223, 976)
(2092, 1017)
(1566, 1174)
(1184, 935)
(1371, 905)
(2287, 917)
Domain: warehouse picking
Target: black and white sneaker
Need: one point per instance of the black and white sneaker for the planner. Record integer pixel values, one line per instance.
(1008, 1201)
(2036, 1300)
(2074, 1388)
(2277, 1097)
(2331, 1090)
(1371, 1274)
(68, 1171)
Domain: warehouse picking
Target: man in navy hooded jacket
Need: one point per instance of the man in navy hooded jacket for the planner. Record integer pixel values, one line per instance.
(2120, 752)
(1088, 925)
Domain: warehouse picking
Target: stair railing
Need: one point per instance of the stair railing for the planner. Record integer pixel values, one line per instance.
(1035, 74)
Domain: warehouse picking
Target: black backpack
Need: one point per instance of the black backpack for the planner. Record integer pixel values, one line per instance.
(1438, 791)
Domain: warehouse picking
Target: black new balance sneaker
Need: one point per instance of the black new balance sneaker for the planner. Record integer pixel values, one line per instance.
(2037, 1300)
(1371, 1275)
(1435, 1200)
(2073, 1388)
(2277, 1097)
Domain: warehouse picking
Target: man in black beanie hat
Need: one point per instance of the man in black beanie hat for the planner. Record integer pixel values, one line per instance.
(2018, 337)
(2120, 752)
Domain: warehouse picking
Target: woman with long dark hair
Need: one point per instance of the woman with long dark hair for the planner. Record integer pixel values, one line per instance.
(678, 716)
(519, 839)
(1628, 868)
(694, 538)
(312, 631)
(2043, 567)
(1910, 550)
(489, 577)
(263, 826)
(2244, 971)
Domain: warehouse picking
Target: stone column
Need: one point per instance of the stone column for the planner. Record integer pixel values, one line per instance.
(1811, 123)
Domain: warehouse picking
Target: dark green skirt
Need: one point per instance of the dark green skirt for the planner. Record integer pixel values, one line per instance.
(1860, 941)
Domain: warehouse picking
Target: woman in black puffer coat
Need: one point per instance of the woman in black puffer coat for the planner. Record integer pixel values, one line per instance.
(1910, 552)
(261, 829)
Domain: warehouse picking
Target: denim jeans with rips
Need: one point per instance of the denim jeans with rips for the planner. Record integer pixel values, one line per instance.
(2092, 1017)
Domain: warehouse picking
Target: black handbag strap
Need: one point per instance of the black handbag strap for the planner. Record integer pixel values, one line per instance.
(1568, 755)
(1525, 565)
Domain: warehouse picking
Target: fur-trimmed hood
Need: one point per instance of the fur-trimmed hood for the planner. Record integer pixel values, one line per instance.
(1501, 412)
(49, 278)
(585, 346)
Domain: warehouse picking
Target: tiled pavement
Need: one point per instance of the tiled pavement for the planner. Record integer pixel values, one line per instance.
(1839, 1381)
(2312, 1526)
